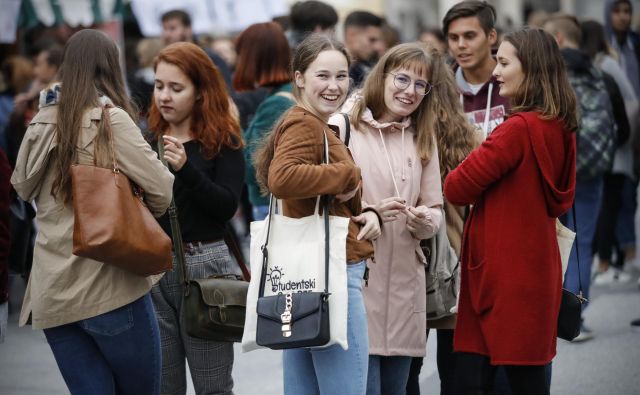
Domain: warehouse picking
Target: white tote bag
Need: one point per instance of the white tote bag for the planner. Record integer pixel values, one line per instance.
(565, 241)
(296, 264)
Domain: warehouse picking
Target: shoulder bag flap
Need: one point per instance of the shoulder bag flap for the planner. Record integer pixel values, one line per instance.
(272, 307)
(222, 291)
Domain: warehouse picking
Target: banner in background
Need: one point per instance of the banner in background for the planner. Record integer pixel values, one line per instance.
(208, 16)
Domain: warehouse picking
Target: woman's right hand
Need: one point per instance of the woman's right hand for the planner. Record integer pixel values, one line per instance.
(389, 208)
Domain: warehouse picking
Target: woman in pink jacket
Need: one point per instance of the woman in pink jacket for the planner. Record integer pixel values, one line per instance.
(392, 140)
(518, 181)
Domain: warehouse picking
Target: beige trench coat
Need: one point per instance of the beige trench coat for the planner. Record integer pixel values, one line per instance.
(395, 297)
(65, 288)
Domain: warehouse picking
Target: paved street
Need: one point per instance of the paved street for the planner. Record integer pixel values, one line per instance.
(608, 364)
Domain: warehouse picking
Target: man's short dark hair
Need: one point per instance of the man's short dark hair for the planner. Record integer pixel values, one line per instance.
(305, 16)
(484, 11)
(362, 19)
(183, 16)
(54, 56)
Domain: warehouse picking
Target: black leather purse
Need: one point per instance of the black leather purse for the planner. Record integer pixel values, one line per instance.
(570, 315)
(299, 319)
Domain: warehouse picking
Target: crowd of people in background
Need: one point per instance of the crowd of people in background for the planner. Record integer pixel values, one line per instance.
(492, 134)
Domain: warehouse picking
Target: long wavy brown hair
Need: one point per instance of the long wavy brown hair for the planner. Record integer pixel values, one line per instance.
(213, 123)
(90, 68)
(546, 88)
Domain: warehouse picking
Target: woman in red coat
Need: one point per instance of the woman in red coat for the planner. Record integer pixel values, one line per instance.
(518, 181)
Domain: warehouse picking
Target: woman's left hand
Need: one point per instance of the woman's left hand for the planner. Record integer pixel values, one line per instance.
(174, 152)
(419, 223)
(370, 229)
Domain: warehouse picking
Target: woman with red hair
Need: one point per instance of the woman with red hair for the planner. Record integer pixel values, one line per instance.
(192, 116)
(264, 58)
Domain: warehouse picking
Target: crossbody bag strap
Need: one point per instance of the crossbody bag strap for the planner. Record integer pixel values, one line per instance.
(575, 228)
(176, 235)
(265, 249)
(230, 241)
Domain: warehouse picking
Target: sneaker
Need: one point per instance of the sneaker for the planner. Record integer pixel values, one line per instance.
(605, 278)
(635, 325)
(621, 276)
(585, 334)
(612, 275)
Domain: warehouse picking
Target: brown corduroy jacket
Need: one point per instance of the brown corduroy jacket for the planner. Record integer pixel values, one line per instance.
(297, 174)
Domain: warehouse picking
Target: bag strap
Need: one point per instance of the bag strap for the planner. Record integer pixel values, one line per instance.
(230, 241)
(575, 227)
(176, 234)
(347, 129)
(325, 214)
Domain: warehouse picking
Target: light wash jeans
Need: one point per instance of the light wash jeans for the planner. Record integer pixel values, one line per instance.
(113, 353)
(588, 200)
(332, 370)
(388, 375)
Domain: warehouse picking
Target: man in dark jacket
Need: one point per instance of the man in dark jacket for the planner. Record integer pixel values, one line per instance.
(596, 142)
(469, 27)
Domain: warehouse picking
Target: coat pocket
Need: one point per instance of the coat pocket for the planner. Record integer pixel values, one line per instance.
(481, 291)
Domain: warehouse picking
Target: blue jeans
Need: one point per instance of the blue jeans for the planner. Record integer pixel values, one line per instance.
(113, 353)
(388, 375)
(587, 202)
(333, 370)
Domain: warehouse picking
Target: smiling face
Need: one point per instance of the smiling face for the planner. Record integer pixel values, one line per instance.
(508, 70)
(400, 103)
(174, 94)
(469, 44)
(324, 85)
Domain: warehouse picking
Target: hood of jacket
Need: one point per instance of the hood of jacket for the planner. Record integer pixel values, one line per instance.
(576, 60)
(39, 142)
(608, 8)
(549, 140)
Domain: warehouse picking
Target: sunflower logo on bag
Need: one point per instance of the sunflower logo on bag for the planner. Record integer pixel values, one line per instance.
(274, 275)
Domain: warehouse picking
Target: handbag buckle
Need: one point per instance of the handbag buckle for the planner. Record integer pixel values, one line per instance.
(285, 317)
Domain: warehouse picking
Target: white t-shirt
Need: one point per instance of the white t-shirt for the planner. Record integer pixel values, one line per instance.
(475, 88)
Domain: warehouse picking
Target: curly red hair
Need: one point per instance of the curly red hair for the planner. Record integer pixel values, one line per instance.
(213, 122)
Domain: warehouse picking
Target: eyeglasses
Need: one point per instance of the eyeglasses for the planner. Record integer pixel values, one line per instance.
(402, 81)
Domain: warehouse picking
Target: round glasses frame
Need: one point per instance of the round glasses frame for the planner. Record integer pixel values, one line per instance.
(400, 84)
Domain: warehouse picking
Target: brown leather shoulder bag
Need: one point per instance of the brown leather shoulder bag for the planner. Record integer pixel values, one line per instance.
(111, 222)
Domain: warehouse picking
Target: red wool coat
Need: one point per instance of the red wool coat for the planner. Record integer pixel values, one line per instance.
(519, 180)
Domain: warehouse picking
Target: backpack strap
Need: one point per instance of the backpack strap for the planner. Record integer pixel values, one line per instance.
(347, 129)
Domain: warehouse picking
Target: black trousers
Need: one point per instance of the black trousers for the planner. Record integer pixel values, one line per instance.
(476, 376)
(446, 365)
(605, 238)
